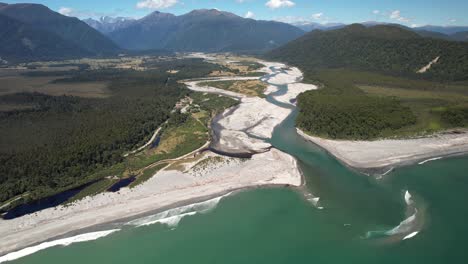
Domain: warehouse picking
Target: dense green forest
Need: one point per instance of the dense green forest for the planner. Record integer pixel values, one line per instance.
(60, 141)
(384, 49)
(351, 117)
(383, 56)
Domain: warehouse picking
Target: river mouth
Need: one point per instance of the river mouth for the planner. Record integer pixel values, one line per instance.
(349, 203)
(366, 203)
(324, 188)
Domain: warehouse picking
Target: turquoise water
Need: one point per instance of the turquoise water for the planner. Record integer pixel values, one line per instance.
(280, 226)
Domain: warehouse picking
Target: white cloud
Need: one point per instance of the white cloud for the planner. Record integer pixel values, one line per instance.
(453, 20)
(396, 15)
(156, 4)
(376, 12)
(66, 11)
(249, 14)
(279, 3)
(317, 16)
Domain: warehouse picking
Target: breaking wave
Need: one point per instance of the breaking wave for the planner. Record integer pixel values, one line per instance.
(428, 160)
(60, 242)
(172, 217)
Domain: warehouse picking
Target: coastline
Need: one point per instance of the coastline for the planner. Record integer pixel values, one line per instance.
(382, 156)
(168, 188)
(165, 190)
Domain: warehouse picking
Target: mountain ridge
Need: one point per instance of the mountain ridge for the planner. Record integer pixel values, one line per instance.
(208, 30)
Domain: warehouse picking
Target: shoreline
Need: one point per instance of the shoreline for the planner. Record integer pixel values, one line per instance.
(382, 156)
(169, 189)
(93, 213)
(121, 223)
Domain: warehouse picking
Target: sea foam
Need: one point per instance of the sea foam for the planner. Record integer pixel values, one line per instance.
(173, 216)
(405, 226)
(60, 242)
(428, 160)
(411, 235)
(408, 198)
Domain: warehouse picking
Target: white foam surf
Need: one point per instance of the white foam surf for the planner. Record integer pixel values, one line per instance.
(411, 235)
(171, 221)
(60, 242)
(404, 227)
(429, 160)
(408, 198)
(387, 172)
(173, 216)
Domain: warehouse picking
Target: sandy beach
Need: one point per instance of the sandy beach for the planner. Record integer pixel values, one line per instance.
(383, 155)
(164, 189)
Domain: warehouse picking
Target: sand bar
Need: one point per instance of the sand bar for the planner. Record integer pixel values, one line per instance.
(385, 154)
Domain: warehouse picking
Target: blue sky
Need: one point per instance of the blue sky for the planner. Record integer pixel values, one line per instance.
(408, 12)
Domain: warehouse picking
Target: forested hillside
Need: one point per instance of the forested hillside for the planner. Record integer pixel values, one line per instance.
(19, 41)
(34, 32)
(385, 49)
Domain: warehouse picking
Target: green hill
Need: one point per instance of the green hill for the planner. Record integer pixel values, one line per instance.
(384, 48)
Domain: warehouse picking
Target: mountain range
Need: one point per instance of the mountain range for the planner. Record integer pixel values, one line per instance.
(207, 30)
(34, 32)
(310, 26)
(108, 24)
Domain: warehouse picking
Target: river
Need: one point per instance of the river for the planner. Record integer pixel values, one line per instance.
(350, 223)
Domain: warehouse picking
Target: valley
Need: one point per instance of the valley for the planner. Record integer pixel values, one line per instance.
(175, 132)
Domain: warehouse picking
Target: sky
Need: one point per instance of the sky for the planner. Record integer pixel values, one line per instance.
(407, 12)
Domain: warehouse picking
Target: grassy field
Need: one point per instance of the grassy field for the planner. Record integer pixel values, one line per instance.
(249, 88)
(183, 133)
(93, 189)
(427, 100)
(45, 85)
(176, 141)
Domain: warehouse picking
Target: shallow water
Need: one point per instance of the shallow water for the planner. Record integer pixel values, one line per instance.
(281, 226)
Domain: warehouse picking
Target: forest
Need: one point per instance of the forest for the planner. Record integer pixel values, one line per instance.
(63, 141)
(342, 111)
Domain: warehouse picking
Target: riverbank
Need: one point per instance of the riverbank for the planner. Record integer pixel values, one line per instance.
(246, 128)
(380, 156)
